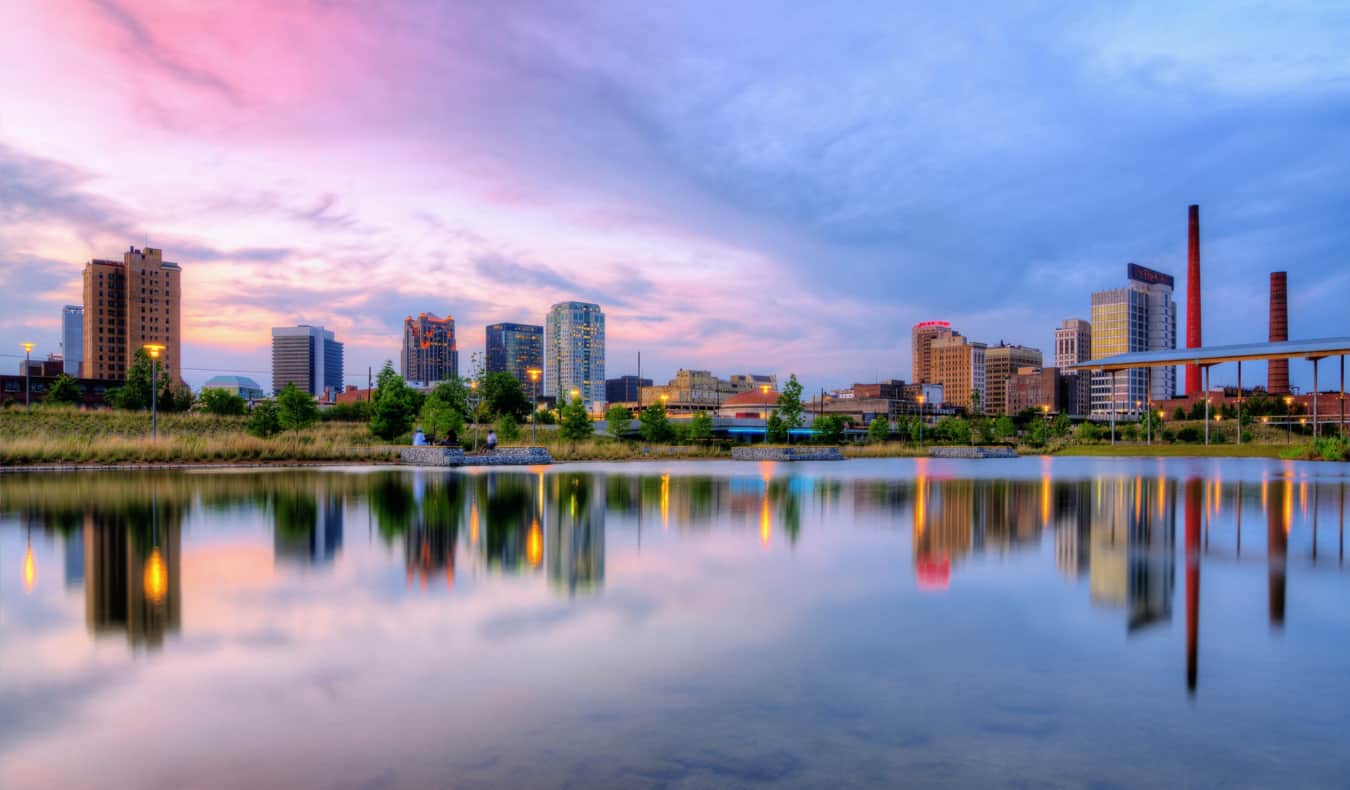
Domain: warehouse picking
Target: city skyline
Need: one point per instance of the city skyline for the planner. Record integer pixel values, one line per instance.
(830, 179)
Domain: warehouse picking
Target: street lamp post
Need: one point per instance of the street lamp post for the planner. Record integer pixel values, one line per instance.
(473, 409)
(919, 398)
(154, 351)
(1289, 419)
(533, 373)
(27, 373)
(1045, 412)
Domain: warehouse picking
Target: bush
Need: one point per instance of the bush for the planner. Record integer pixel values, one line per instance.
(544, 417)
(1088, 432)
(775, 429)
(355, 411)
(1190, 434)
(700, 428)
(830, 428)
(576, 423)
(65, 390)
(653, 425)
(222, 403)
(296, 409)
(264, 421)
(617, 419)
(879, 429)
(508, 430)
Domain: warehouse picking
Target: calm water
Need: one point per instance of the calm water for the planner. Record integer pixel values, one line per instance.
(1001, 623)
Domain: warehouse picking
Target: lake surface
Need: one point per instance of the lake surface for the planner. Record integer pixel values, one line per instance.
(1036, 622)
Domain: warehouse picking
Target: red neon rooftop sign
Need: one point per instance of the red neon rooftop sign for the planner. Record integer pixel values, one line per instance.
(926, 324)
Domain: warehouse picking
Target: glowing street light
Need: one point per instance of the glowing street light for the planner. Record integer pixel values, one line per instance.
(27, 364)
(919, 399)
(154, 350)
(534, 374)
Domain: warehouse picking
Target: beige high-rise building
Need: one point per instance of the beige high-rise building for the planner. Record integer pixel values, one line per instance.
(1073, 345)
(127, 305)
(958, 365)
(924, 333)
(1000, 363)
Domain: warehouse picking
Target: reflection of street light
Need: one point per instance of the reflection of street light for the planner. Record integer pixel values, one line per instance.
(27, 363)
(533, 373)
(534, 545)
(154, 350)
(29, 568)
(156, 580)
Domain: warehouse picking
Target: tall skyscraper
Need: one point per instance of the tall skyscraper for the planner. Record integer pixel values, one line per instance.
(72, 338)
(924, 333)
(958, 365)
(1073, 344)
(1139, 317)
(1000, 363)
(574, 352)
(127, 305)
(430, 353)
(310, 357)
(514, 349)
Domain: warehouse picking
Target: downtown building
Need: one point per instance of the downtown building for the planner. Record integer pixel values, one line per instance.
(516, 349)
(958, 364)
(923, 335)
(1073, 345)
(129, 304)
(72, 339)
(1142, 316)
(430, 353)
(1000, 363)
(310, 357)
(574, 352)
(625, 389)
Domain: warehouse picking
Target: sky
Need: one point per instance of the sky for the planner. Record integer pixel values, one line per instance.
(768, 187)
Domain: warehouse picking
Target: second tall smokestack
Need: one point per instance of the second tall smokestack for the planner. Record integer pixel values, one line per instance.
(1277, 370)
(1193, 299)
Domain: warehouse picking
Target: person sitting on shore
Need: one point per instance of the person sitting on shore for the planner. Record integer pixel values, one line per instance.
(492, 441)
(451, 438)
(419, 439)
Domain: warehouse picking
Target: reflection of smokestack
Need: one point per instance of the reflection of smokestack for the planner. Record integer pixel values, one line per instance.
(1193, 492)
(1277, 377)
(1193, 298)
(1277, 545)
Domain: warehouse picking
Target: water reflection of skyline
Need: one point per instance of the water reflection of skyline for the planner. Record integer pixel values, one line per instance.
(1116, 536)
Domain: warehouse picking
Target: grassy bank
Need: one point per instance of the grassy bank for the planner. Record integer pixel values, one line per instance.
(1121, 450)
(51, 436)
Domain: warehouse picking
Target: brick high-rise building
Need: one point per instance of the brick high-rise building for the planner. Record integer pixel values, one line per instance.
(430, 352)
(574, 352)
(514, 349)
(1000, 363)
(128, 304)
(958, 365)
(923, 334)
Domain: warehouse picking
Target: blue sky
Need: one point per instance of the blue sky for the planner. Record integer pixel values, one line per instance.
(766, 186)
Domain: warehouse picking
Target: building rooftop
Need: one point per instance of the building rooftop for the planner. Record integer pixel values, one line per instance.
(753, 398)
(242, 382)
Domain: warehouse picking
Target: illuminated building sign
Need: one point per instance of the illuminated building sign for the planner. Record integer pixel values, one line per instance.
(1148, 276)
(943, 324)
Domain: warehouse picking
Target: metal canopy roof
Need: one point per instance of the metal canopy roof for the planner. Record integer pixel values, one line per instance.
(1213, 355)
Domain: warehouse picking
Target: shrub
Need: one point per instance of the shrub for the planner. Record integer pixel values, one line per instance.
(653, 425)
(618, 419)
(222, 403)
(576, 423)
(700, 428)
(265, 420)
(296, 409)
(1190, 434)
(508, 430)
(830, 428)
(879, 429)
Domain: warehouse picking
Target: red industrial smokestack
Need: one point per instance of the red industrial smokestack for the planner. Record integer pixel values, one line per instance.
(1193, 299)
(1277, 370)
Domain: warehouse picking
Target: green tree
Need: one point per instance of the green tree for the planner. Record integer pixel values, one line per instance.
(653, 425)
(879, 429)
(1004, 428)
(618, 419)
(1087, 432)
(394, 405)
(1038, 433)
(501, 393)
(264, 420)
(443, 410)
(296, 409)
(701, 428)
(222, 402)
(974, 401)
(953, 429)
(508, 430)
(1061, 425)
(134, 394)
(984, 430)
(544, 417)
(830, 428)
(1179, 414)
(64, 390)
(576, 423)
(776, 429)
(790, 404)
